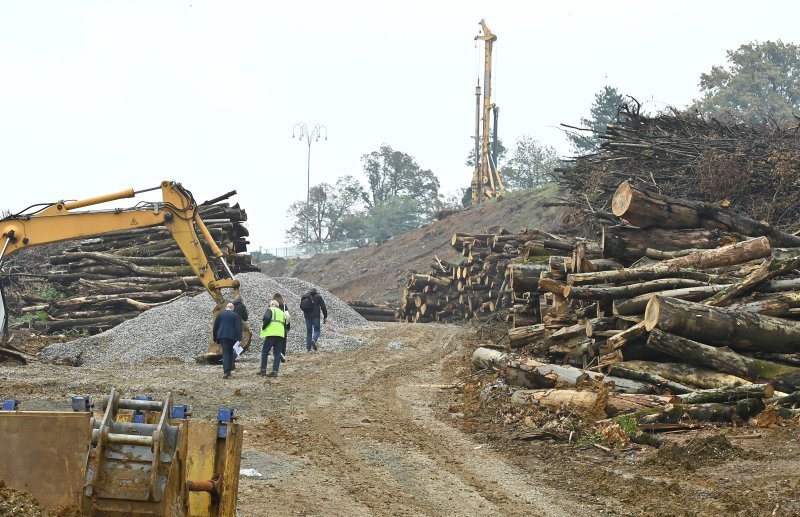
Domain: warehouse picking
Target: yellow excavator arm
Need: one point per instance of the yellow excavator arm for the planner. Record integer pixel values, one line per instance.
(54, 222)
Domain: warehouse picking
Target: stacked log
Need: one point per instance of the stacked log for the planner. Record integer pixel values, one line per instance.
(699, 299)
(97, 283)
(500, 270)
(375, 311)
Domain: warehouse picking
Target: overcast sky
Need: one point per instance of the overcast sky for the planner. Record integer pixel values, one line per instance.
(100, 96)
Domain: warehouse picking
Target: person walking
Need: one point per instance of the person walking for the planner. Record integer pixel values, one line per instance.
(312, 304)
(273, 330)
(227, 331)
(278, 297)
(241, 309)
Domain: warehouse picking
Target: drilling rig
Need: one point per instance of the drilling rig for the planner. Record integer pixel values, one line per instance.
(486, 181)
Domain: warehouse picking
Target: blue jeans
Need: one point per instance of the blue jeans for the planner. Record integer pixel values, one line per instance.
(227, 354)
(275, 344)
(311, 324)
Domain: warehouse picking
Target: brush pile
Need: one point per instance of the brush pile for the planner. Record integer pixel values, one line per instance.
(755, 168)
(699, 319)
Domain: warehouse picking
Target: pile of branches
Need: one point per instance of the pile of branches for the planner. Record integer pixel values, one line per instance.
(699, 320)
(753, 168)
(92, 285)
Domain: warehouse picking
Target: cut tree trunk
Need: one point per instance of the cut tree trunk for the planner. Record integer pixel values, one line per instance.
(489, 359)
(637, 304)
(628, 291)
(522, 336)
(785, 378)
(646, 209)
(727, 395)
(688, 374)
(612, 403)
(632, 243)
(739, 330)
(622, 370)
(529, 373)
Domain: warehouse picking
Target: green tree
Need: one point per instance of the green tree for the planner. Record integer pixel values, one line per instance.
(531, 165)
(603, 111)
(327, 207)
(760, 80)
(394, 217)
(393, 173)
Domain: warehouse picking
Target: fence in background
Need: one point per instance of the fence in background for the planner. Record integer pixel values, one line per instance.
(306, 250)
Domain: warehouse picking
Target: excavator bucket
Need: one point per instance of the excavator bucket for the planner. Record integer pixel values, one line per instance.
(214, 354)
(138, 457)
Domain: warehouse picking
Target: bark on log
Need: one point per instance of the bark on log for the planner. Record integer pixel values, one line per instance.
(612, 404)
(627, 291)
(785, 378)
(639, 274)
(637, 304)
(522, 336)
(632, 243)
(489, 359)
(739, 330)
(529, 373)
(525, 276)
(778, 305)
(622, 370)
(688, 374)
(739, 412)
(628, 336)
(728, 395)
(647, 209)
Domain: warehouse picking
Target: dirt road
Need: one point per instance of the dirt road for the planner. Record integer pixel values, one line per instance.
(364, 432)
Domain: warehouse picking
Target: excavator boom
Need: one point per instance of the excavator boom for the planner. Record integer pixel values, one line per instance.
(177, 210)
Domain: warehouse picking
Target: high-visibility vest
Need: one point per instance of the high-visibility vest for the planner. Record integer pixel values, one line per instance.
(277, 325)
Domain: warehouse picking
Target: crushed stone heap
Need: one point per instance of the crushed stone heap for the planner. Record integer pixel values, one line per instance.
(182, 329)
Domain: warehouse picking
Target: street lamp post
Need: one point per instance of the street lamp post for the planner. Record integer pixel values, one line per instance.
(301, 132)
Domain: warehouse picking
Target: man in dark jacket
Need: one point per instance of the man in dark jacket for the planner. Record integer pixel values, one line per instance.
(240, 309)
(227, 331)
(312, 305)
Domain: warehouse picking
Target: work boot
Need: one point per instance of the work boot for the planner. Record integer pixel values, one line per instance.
(226, 376)
(272, 374)
(283, 358)
(262, 373)
(314, 344)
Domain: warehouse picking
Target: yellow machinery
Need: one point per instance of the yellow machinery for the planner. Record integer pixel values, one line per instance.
(54, 222)
(486, 180)
(139, 457)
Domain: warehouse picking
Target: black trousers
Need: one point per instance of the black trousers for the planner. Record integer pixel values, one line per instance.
(227, 354)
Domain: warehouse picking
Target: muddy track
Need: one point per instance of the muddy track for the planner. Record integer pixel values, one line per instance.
(366, 426)
(361, 432)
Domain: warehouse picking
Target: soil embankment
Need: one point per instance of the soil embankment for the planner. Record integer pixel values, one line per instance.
(379, 272)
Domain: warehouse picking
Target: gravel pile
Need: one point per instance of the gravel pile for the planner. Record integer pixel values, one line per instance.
(182, 329)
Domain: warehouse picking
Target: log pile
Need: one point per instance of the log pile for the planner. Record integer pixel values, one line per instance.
(499, 270)
(97, 283)
(375, 311)
(685, 310)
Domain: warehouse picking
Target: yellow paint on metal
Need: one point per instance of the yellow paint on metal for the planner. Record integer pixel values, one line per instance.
(200, 460)
(230, 473)
(44, 454)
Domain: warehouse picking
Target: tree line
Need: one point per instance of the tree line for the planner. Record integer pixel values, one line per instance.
(759, 83)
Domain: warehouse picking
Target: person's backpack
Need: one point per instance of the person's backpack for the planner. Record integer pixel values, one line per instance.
(306, 303)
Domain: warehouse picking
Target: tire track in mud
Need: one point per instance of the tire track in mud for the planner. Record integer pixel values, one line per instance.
(370, 432)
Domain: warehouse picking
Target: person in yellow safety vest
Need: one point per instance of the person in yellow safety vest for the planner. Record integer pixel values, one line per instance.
(273, 330)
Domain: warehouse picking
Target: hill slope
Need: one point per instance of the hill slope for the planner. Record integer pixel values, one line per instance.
(378, 273)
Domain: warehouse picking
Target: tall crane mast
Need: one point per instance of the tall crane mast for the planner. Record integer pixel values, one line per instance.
(486, 180)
